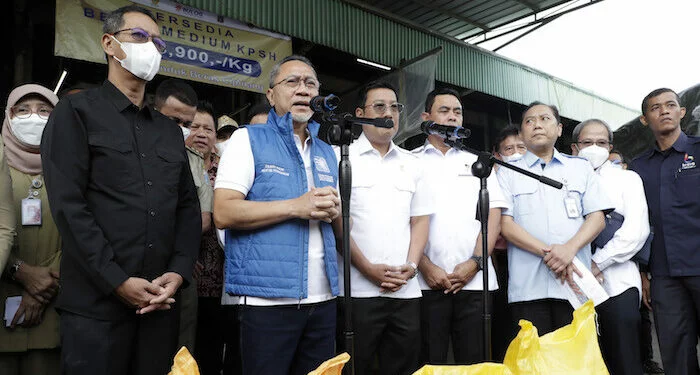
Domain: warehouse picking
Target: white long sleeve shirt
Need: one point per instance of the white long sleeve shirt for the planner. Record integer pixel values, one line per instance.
(626, 192)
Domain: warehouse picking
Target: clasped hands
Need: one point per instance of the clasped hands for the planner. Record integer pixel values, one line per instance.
(559, 259)
(150, 296)
(40, 287)
(390, 278)
(319, 204)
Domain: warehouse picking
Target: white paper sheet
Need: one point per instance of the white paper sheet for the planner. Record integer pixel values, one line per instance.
(11, 306)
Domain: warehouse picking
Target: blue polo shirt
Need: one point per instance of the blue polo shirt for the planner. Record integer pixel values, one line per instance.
(540, 210)
(672, 186)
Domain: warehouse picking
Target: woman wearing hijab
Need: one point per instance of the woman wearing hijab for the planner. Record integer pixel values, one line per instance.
(29, 341)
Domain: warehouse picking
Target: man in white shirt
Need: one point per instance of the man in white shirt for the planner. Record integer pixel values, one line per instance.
(619, 316)
(451, 268)
(390, 209)
(275, 196)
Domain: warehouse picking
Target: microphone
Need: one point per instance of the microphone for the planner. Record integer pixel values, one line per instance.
(380, 122)
(445, 131)
(323, 104)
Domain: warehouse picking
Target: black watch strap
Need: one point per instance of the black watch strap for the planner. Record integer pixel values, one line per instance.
(479, 261)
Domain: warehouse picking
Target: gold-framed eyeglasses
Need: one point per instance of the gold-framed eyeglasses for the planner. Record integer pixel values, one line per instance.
(25, 110)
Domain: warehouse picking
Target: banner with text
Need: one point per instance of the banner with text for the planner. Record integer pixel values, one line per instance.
(201, 46)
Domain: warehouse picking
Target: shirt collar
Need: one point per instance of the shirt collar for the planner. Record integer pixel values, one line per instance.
(363, 145)
(682, 144)
(116, 97)
(531, 159)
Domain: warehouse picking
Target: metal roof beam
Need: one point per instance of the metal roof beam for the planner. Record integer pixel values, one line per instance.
(452, 15)
(528, 4)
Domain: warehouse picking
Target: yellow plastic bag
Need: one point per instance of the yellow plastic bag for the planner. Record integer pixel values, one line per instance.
(333, 366)
(184, 363)
(480, 369)
(570, 350)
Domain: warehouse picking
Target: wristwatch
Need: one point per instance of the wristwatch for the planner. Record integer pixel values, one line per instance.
(479, 262)
(14, 268)
(415, 268)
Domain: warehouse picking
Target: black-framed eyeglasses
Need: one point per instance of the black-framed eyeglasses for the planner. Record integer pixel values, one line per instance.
(181, 122)
(24, 111)
(600, 143)
(293, 82)
(380, 107)
(140, 35)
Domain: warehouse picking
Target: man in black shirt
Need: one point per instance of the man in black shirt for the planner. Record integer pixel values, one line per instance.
(122, 196)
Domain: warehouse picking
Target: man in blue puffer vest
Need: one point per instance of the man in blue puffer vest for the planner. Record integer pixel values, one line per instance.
(276, 197)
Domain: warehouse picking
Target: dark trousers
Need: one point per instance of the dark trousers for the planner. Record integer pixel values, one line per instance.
(388, 328)
(209, 342)
(502, 330)
(232, 340)
(452, 316)
(619, 323)
(138, 345)
(546, 315)
(645, 342)
(676, 303)
(288, 339)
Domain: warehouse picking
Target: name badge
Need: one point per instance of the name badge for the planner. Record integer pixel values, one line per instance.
(570, 204)
(31, 211)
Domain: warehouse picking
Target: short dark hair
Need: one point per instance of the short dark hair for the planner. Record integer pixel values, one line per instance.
(177, 89)
(554, 109)
(430, 99)
(373, 86)
(114, 20)
(204, 106)
(262, 108)
(276, 69)
(655, 93)
(509, 131)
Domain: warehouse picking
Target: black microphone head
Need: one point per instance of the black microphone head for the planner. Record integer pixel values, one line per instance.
(324, 103)
(425, 126)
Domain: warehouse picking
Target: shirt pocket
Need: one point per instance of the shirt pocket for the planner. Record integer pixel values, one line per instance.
(576, 190)
(111, 161)
(524, 198)
(169, 164)
(686, 188)
(404, 186)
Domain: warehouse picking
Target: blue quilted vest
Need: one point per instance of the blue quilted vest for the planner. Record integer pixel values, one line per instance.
(272, 262)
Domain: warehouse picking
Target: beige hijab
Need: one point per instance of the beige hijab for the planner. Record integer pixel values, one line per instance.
(21, 156)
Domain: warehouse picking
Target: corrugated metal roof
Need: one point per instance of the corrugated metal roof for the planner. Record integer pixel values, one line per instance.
(340, 25)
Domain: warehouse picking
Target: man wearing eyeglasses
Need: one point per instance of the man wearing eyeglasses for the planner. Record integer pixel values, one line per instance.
(275, 195)
(122, 196)
(390, 211)
(612, 263)
(451, 267)
(547, 227)
(178, 101)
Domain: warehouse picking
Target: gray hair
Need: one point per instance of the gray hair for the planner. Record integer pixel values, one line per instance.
(114, 20)
(276, 69)
(579, 128)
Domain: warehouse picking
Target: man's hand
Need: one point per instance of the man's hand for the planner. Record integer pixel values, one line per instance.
(386, 277)
(558, 257)
(137, 292)
(403, 272)
(318, 204)
(31, 308)
(461, 275)
(646, 290)
(40, 282)
(169, 283)
(435, 276)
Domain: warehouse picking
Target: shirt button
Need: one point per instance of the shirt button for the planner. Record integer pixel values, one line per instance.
(149, 183)
(138, 128)
(150, 245)
(153, 213)
(143, 155)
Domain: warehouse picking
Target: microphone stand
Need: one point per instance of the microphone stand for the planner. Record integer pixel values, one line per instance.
(340, 134)
(482, 169)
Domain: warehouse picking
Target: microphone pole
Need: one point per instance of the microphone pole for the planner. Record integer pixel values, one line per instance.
(482, 169)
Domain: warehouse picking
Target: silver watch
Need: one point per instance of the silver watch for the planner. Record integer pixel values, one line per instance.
(415, 268)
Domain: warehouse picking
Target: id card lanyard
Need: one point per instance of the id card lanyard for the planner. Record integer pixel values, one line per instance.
(31, 205)
(570, 203)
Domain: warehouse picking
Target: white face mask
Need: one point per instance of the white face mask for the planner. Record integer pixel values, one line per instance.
(185, 132)
(595, 155)
(142, 59)
(512, 158)
(28, 130)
